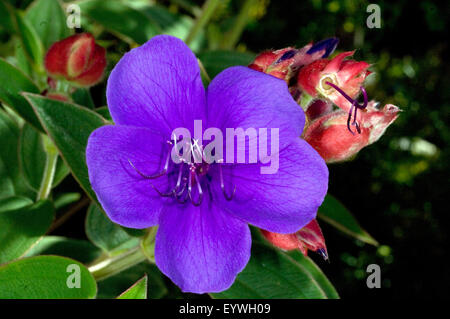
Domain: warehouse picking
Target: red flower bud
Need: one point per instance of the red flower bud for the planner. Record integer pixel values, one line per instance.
(330, 137)
(276, 63)
(348, 75)
(285, 63)
(309, 237)
(77, 59)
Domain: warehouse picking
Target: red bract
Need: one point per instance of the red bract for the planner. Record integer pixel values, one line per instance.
(77, 59)
(329, 134)
(285, 63)
(348, 75)
(309, 237)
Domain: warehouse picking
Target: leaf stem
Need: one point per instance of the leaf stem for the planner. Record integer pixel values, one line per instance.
(50, 167)
(103, 268)
(232, 37)
(207, 11)
(203, 72)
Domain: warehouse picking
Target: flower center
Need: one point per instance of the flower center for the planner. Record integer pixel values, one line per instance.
(324, 87)
(187, 172)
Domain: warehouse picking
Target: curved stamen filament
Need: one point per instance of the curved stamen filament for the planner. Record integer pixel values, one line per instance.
(355, 106)
(199, 187)
(163, 172)
(222, 186)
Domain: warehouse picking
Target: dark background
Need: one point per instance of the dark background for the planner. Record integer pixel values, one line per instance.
(396, 192)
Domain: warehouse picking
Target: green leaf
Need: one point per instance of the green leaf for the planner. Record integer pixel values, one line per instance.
(120, 19)
(137, 291)
(80, 250)
(14, 203)
(111, 287)
(22, 228)
(30, 41)
(7, 20)
(11, 181)
(105, 234)
(48, 20)
(82, 96)
(217, 61)
(46, 277)
(32, 158)
(335, 214)
(12, 82)
(273, 274)
(66, 199)
(104, 111)
(173, 24)
(69, 126)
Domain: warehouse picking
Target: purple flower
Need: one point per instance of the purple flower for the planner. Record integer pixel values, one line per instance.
(202, 209)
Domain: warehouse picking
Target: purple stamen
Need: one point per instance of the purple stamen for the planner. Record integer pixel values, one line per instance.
(222, 185)
(163, 172)
(355, 106)
(183, 188)
(199, 187)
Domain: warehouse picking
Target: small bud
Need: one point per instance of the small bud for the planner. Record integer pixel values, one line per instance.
(309, 237)
(285, 63)
(77, 59)
(330, 137)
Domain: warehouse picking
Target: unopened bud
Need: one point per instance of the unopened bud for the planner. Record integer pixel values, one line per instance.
(309, 237)
(77, 59)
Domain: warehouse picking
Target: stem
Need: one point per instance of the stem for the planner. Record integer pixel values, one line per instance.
(203, 72)
(192, 9)
(75, 208)
(111, 266)
(148, 243)
(104, 268)
(50, 167)
(207, 11)
(232, 37)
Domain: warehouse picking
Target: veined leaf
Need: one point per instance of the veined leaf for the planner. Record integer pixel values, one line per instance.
(48, 20)
(335, 214)
(22, 228)
(80, 250)
(46, 277)
(69, 126)
(137, 291)
(103, 233)
(273, 274)
(32, 158)
(12, 83)
(14, 203)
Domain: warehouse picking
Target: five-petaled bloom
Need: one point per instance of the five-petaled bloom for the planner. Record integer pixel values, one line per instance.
(202, 209)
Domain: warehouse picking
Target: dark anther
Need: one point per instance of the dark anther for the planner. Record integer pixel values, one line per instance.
(287, 55)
